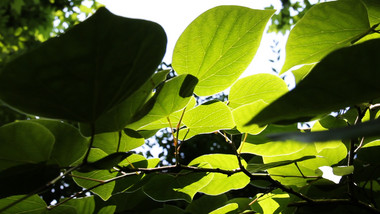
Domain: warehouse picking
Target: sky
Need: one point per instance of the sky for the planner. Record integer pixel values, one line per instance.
(175, 15)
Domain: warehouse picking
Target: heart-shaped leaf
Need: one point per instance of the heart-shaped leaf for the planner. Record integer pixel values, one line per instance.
(85, 72)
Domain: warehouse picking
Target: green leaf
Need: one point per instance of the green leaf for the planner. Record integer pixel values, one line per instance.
(325, 28)
(206, 204)
(122, 114)
(166, 101)
(24, 142)
(31, 205)
(254, 167)
(366, 129)
(168, 209)
(219, 45)
(343, 170)
(222, 183)
(243, 114)
(265, 87)
(76, 206)
(301, 73)
(26, 178)
(225, 209)
(83, 73)
(263, 146)
(87, 180)
(373, 9)
(207, 118)
(68, 140)
(165, 187)
(107, 209)
(345, 77)
(108, 142)
(107, 162)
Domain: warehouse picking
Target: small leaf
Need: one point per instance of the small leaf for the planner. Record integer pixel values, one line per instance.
(76, 205)
(207, 118)
(166, 101)
(366, 129)
(325, 28)
(226, 209)
(222, 183)
(105, 163)
(219, 45)
(31, 205)
(343, 170)
(253, 168)
(109, 142)
(165, 187)
(188, 85)
(344, 78)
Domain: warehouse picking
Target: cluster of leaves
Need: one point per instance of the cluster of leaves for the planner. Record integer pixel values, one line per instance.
(25, 24)
(102, 75)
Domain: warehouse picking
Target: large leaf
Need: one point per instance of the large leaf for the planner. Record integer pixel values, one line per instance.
(31, 205)
(222, 183)
(166, 101)
(324, 28)
(254, 167)
(206, 203)
(345, 77)
(23, 143)
(219, 45)
(68, 140)
(265, 87)
(85, 72)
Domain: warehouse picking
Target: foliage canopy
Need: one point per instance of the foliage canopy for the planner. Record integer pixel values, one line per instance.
(102, 77)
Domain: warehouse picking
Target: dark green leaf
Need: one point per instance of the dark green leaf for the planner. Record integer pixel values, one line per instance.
(31, 205)
(366, 129)
(75, 206)
(253, 167)
(105, 163)
(345, 77)
(24, 142)
(26, 178)
(122, 114)
(68, 140)
(83, 73)
(188, 85)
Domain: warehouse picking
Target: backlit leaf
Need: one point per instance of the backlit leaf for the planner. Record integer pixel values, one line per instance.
(108, 142)
(166, 187)
(325, 28)
(344, 78)
(207, 118)
(219, 45)
(222, 183)
(265, 87)
(31, 205)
